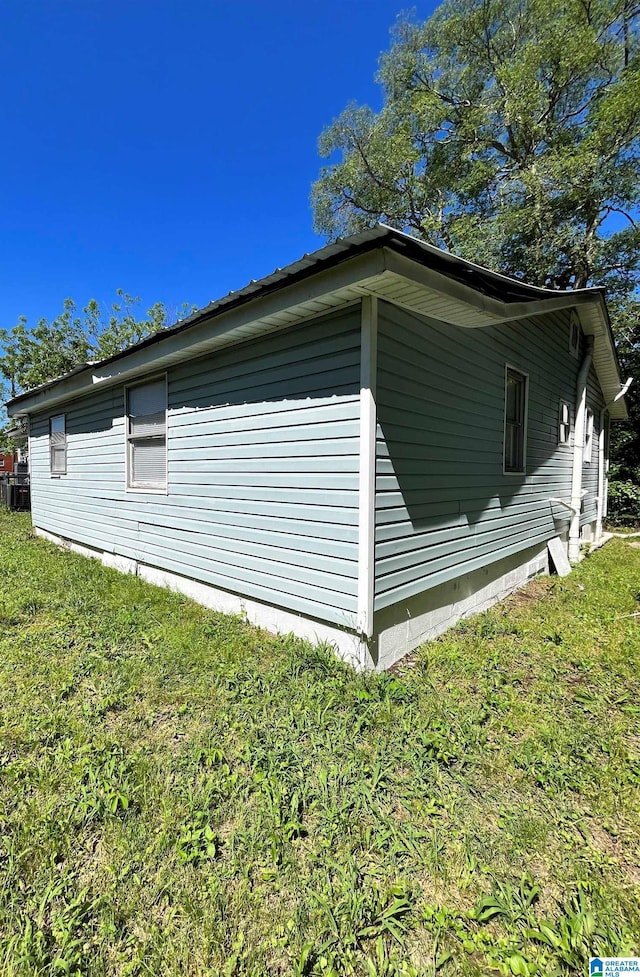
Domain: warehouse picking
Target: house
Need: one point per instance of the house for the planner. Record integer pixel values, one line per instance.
(6, 463)
(361, 448)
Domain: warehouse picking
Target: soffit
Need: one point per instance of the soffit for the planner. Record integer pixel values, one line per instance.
(308, 289)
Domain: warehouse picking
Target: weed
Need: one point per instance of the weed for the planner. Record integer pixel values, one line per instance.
(183, 794)
(106, 782)
(198, 841)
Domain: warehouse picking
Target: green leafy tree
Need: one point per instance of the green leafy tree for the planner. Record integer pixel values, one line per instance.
(624, 475)
(30, 356)
(509, 134)
(124, 327)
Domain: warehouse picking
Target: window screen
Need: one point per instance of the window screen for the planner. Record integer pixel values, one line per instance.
(58, 445)
(147, 435)
(514, 421)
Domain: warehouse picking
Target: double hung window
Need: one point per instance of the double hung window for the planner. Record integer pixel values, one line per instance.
(588, 438)
(515, 421)
(57, 445)
(147, 435)
(574, 335)
(564, 423)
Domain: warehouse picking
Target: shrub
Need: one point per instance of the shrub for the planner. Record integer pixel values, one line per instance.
(624, 502)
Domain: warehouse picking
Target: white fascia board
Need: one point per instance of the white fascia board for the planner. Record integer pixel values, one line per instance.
(491, 310)
(589, 303)
(353, 277)
(593, 319)
(222, 328)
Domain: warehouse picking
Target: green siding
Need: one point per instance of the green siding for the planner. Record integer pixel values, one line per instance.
(263, 461)
(443, 505)
(263, 448)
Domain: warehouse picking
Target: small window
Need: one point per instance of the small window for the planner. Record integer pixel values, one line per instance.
(564, 423)
(515, 418)
(58, 445)
(1, 462)
(588, 438)
(147, 435)
(574, 335)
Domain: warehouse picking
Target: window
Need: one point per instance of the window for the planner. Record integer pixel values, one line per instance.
(57, 445)
(515, 420)
(588, 438)
(147, 435)
(564, 423)
(574, 335)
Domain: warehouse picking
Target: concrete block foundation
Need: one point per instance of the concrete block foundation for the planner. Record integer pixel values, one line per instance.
(403, 627)
(399, 629)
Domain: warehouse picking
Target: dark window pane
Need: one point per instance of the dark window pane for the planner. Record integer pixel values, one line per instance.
(515, 411)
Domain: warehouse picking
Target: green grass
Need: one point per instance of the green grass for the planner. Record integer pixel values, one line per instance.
(183, 794)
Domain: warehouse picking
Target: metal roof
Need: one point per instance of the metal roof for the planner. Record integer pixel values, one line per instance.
(497, 288)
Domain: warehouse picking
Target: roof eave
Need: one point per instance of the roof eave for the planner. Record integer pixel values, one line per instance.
(224, 325)
(342, 270)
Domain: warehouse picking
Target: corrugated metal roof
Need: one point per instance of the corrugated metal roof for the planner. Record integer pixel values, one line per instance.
(482, 280)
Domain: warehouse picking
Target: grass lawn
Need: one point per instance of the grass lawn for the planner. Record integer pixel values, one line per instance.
(183, 794)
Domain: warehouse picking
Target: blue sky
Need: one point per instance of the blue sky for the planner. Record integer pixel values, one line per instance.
(168, 147)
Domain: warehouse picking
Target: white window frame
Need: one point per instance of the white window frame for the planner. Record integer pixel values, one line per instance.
(574, 330)
(514, 369)
(59, 471)
(561, 424)
(131, 487)
(587, 453)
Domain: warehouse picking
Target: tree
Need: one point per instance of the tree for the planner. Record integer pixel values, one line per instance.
(123, 328)
(33, 355)
(509, 134)
(624, 475)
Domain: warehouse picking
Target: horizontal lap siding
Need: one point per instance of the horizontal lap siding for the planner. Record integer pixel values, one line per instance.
(262, 446)
(443, 505)
(95, 470)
